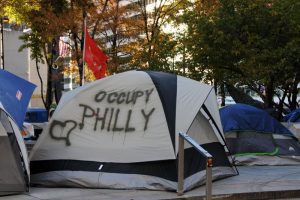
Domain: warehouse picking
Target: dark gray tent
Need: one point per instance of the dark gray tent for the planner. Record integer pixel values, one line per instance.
(14, 169)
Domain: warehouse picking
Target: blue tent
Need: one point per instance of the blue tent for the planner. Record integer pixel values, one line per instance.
(293, 116)
(15, 94)
(242, 117)
(254, 137)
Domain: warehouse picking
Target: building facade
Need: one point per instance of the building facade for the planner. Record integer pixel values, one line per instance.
(20, 64)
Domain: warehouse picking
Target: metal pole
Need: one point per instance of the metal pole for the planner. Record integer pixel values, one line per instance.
(209, 164)
(84, 43)
(2, 44)
(180, 187)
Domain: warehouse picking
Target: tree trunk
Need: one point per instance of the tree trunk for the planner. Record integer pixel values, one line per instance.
(281, 103)
(41, 81)
(49, 94)
(294, 92)
(270, 93)
(222, 92)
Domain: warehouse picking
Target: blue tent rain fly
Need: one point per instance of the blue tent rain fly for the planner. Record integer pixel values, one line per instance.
(293, 116)
(15, 94)
(241, 117)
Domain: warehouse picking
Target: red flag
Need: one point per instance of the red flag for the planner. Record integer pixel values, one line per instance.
(94, 57)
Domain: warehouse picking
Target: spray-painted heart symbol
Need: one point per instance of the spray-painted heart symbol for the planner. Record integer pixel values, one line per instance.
(62, 125)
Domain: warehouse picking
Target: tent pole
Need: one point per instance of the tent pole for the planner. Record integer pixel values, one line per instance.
(83, 52)
(180, 187)
(209, 165)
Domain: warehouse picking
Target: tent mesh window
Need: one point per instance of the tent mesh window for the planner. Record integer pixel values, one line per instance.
(252, 143)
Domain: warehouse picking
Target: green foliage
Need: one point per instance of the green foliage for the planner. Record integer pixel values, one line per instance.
(33, 42)
(247, 41)
(250, 42)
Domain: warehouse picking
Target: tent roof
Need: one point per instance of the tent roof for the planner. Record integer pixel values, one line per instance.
(293, 116)
(165, 104)
(15, 94)
(242, 117)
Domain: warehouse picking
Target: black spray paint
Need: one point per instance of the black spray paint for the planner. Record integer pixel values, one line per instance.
(107, 118)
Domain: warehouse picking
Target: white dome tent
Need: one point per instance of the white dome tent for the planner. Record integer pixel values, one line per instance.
(14, 165)
(122, 132)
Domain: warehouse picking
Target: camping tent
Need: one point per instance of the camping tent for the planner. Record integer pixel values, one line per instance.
(15, 94)
(293, 116)
(292, 122)
(121, 132)
(256, 138)
(14, 168)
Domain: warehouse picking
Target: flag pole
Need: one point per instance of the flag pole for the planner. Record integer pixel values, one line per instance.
(83, 51)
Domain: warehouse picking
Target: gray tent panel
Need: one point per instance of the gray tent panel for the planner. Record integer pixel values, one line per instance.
(13, 173)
